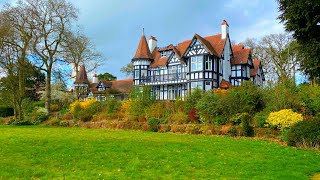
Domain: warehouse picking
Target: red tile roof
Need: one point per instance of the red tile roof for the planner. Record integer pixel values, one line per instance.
(123, 85)
(256, 64)
(82, 77)
(217, 43)
(143, 51)
(224, 84)
(207, 45)
(240, 54)
(214, 44)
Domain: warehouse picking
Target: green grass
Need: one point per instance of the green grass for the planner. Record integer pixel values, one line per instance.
(76, 153)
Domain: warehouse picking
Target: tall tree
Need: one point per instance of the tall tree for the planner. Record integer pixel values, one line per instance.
(51, 19)
(107, 77)
(303, 19)
(279, 55)
(79, 50)
(15, 43)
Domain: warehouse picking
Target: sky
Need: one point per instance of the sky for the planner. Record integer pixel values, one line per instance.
(115, 26)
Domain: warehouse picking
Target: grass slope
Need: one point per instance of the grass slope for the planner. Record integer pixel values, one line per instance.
(76, 153)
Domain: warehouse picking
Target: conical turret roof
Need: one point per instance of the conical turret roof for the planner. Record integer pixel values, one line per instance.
(82, 77)
(143, 51)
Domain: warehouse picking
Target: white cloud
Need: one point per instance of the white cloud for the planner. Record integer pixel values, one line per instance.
(260, 28)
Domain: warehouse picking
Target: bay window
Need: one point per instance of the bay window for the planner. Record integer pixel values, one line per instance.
(196, 63)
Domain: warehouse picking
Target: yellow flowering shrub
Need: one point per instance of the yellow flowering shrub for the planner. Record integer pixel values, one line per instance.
(83, 105)
(284, 118)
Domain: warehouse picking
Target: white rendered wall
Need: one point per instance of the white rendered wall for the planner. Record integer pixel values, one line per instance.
(226, 61)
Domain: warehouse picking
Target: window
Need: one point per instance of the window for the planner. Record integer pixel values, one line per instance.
(136, 74)
(208, 63)
(144, 74)
(207, 85)
(196, 63)
(244, 71)
(197, 85)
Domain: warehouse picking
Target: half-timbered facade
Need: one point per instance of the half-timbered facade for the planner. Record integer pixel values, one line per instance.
(202, 62)
(100, 90)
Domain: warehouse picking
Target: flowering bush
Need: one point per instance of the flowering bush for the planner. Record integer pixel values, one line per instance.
(84, 110)
(284, 118)
(83, 105)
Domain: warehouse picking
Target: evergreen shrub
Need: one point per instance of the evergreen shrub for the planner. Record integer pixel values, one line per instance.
(305, 134)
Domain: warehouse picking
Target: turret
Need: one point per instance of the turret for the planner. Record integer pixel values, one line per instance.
(82, 83)
(141, 62)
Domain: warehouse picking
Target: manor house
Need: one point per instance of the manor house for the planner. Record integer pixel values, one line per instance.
(202, 62)
(172, 71)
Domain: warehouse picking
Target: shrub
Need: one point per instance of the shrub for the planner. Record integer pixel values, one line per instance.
(160, 110)
(233, 131)
(85, 110)
(206, 129)
(284, 118)
(39, 115)
(206, 107)
(112, 106)
(55, 107)
(193, 115)
(245, 98)
(22, 123)
(192, 129)
(305, 134)
(260, 120)
(178, 118)
(192, 99)
(38, 104)
(153, 124)
(140, 99)
(6, 111)
(237, 118)
(247, 129)
(283, 95)
(219, 120)
(310, 98)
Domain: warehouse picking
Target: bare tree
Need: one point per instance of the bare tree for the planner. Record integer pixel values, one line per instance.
(79, 50)
(51, 19)
(278, 53)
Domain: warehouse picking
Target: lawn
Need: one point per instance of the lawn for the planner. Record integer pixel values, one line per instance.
(76, 153)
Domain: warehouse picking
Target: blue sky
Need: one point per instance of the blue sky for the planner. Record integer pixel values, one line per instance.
(115, 26)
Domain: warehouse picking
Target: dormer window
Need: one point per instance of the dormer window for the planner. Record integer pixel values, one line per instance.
(165, 53)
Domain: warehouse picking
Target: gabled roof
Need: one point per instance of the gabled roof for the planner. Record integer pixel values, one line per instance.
(240, 54)
(256, 64)
(158, 60)
(207, 45)
(143, 51)
(123, 86)
(217, 43)
(82, 77)
(214, 44)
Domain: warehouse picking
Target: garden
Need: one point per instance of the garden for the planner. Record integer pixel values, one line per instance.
(282, 112)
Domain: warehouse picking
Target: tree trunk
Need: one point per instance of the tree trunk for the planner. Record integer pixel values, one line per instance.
(48, 90)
